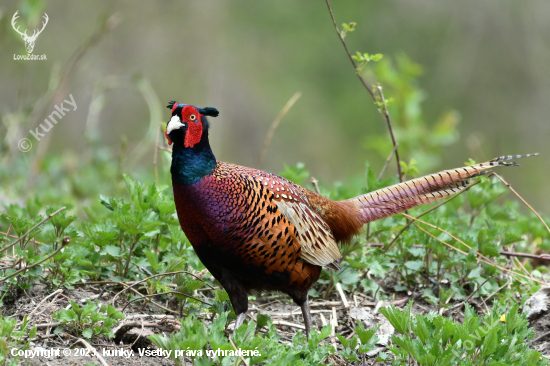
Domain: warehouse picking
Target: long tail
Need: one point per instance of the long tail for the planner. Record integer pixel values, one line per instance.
(403, 196)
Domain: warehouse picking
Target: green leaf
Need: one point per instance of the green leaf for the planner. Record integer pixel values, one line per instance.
(325, 332)
(262, 320)
(106, 201)
(400, 320)
(343, 340)
(113, 251)
(297, 174)
(414, 265)
(87, 333)
(490, 343)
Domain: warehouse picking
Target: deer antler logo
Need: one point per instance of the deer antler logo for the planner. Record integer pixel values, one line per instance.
(29, 40)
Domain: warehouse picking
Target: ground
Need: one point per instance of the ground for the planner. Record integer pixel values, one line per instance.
(283, 312)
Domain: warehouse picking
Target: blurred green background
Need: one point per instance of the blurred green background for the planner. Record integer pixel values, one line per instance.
(470, 79)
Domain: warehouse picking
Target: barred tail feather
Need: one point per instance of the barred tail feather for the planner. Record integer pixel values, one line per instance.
(403, 196)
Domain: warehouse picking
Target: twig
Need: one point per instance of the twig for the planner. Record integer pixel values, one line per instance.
(66, 240)
(539, 337)
(275, 124)
(521, 267)
(326, 303)
(315, 183)
(388, 161)
(157, 275)
(8, 235)
(34, 227)
(241, 356)
(477, 289)
(130, 256)
(93, 351)
(43, 301)
(342, 295)
(544, 257)
(334, 321)
(288, 324)
(140, 333)
(522, 200)
(61, 86)
(164, 293)
(500, 288)
(386, 114)
(458, 306)
(465, 253)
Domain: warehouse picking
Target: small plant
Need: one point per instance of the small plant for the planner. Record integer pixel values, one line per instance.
(492, 339)
(88, 321)
(11, 339)
(351, 351)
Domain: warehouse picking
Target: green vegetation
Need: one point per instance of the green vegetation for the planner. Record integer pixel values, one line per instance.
(89, 321)
(12, 336)
(497, 338)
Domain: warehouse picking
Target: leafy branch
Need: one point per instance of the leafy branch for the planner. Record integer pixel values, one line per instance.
(363, 59)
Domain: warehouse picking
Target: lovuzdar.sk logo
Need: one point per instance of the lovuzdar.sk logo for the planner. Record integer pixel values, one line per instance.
(29, 40)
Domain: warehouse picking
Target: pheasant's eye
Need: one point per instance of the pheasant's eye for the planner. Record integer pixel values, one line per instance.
(192, 117)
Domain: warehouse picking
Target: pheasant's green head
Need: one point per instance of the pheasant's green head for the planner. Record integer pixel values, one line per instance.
(187, 124)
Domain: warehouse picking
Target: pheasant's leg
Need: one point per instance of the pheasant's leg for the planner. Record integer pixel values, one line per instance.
(240, 319)
(237, 294)
(307, 316)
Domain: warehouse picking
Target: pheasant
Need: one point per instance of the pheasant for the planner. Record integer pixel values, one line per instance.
(258, 231)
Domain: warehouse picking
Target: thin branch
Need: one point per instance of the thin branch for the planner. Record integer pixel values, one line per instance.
(315, 183)
(275, 124)
(165, 149)
(521, 267)
(372, 94)
(522, 200)
(55, 95)
(41, 302)
(386, 114)
(130, 256)
(164, 293)
(388, 161)
(34, 227)
(498, 290)
(539, 337)
(452, 236)
(481, 257)
(151, 301)
(236, 350)
(93, 351)
(66, 240)
(157, 275)
(477, 289)
(544, 257)
(8, 235)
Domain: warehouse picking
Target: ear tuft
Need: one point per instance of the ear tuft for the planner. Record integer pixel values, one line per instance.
(209, 111)
(171, 104)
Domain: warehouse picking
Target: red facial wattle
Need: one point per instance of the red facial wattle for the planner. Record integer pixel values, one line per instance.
(193, 134)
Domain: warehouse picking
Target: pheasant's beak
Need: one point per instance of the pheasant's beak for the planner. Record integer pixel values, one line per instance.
(174, 124)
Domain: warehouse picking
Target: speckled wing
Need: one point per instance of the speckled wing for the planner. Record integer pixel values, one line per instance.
(314, 236)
